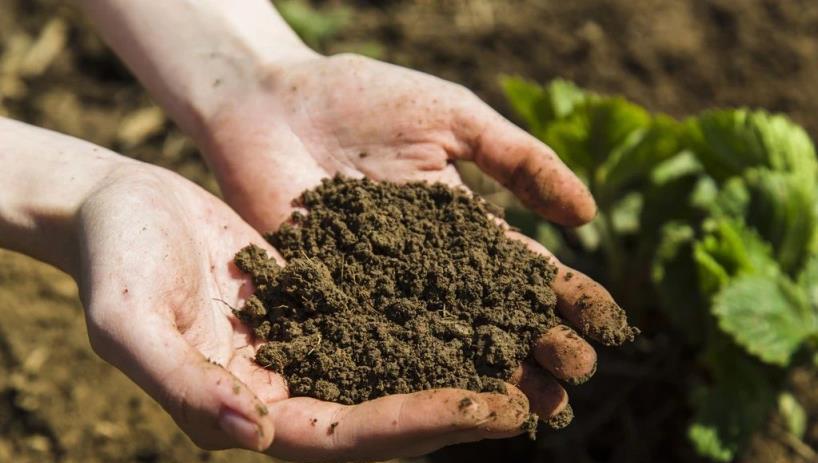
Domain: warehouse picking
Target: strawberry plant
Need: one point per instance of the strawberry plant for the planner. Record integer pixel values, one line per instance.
(716, 214)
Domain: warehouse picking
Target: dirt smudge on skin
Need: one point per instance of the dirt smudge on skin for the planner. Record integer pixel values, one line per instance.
(605, 321)
(464, 403)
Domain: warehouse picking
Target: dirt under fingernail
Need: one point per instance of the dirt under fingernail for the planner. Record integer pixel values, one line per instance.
(561, 419)
(393, 289)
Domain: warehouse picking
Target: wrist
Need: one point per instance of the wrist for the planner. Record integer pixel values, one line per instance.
(195, 56)
(253, 85)
(46, 178)
(240, 132)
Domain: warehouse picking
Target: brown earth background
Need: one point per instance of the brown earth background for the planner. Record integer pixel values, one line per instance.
(60, 403)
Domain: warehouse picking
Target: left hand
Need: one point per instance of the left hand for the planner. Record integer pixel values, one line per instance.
(317, 117)
(157, 280)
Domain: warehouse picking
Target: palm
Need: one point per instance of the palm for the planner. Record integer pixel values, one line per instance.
(158, 252)
(404, 126)
(357, 117)
(159, 288)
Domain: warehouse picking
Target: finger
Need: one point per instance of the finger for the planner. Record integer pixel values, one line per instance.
(585, 303)
(527, 167)
(268, 386)
(565, 355)
(210, 404)
(401, 425)
(545, 395)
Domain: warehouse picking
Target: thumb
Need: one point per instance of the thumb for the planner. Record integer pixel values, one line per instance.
(262, 172)
(214, 408)
(527, 167)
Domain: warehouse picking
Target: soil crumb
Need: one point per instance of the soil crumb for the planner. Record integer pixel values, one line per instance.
(529, 426)
(561, 419)
(392, 289)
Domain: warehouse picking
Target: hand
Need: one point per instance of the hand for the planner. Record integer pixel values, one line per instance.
(273, 118)
(152, 255)
(158, 283)
(317, 117)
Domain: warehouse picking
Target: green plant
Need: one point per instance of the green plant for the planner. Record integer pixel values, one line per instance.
(316, 27)
(717, 213)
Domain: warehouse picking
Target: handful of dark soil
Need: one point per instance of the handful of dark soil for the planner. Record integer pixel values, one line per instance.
(392, 289)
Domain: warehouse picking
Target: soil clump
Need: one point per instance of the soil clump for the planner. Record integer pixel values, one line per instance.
(392, 289)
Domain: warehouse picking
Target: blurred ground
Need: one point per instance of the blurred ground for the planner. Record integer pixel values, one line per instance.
(58, 402)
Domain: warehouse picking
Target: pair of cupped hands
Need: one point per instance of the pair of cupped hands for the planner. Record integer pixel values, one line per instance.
(157, 279)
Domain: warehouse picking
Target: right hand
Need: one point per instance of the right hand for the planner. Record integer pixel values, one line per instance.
(157, 280)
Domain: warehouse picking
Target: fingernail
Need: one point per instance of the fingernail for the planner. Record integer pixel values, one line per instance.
(241, 429)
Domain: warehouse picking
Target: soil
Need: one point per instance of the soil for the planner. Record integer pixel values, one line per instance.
(392, 289)
(674, 56)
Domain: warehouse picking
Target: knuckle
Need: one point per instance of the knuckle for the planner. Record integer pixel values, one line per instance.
(350, 59)
(462, 91)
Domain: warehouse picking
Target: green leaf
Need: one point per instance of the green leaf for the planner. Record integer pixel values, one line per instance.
(314, 26)
(568, 137)
(706, 438)
(625, 214)
(597, 129)
(712, 275)
(549, 236)
(676, 281)
(731, 409)
(736, 249)
(538, 106)
(732, 199)
(793, 413)
(589, 235)
(682, 165)
(768, 317)
(528, 101)
(729, 249)
(787, 145)
(608, 141)
(564, 96)
(670, 200)
(781, 207)
(728, 142)
(808, 281)
(647, 149)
